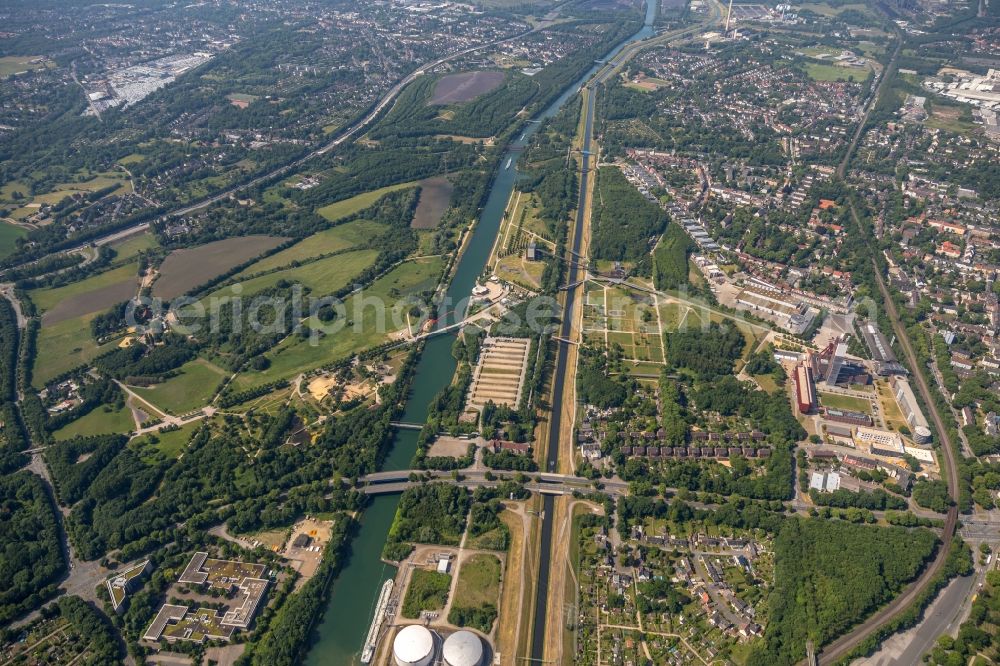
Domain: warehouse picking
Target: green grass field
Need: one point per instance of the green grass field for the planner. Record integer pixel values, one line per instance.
(64, 346)
(9, 233)
(331, 240)
(130, 247)
(46, 299)
(837, 401)
(478, 582)
(335, 211)
(322, 277)
(98, 422)
(829, 10)
(820, 72)
(15, 64)
(428, 590)
(169, 444)
(295, 355)
(189, 390)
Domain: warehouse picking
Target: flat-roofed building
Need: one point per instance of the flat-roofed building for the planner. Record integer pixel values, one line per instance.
(908, 403)
(805, 389)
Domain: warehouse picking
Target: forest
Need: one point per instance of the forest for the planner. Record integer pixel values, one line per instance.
(670, 258)
(821, 586)
(625, 224)
(31, 555)
(704, 353)
(429, 513)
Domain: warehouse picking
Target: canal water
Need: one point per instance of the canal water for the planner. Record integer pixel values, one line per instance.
(344, 625)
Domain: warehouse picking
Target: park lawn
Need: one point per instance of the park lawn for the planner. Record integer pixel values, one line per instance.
(358, 203)
(322, 277)
(9, 233)
(98, 422)
(64, 346)
(767, 383)
(296, 354)
(478, 582)
(338, 238)
(171, 443)
(850, 403)
(46, 299)
(427, 591)
(191, 389)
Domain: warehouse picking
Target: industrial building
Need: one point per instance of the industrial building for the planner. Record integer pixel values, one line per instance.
(413, 646)
(849, 417)
(880, 442)
(911, 408)
(463, 648)
(826, 482)
(805, 389)
(835, 368)
(881, 351)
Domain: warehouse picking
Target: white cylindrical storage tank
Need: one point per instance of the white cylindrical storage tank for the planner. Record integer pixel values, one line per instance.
(463, 648)
(413, 646)
(922, 435)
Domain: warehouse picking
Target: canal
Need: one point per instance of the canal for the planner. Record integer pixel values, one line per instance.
(341, 631)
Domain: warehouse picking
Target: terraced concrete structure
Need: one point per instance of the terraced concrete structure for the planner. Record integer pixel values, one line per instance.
(500, 373)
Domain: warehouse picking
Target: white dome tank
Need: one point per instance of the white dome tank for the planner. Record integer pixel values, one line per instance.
(463, 648)
(413, 646)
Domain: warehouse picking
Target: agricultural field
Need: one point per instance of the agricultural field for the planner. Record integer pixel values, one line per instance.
(356, 204)
(94, 294)
(435, 198)
(324, 276)
(295, 354)
(185, 269)
(464, 87)
(341, 237)
(64, 346)
(189, 390)
(99, 421)
(9, 233)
